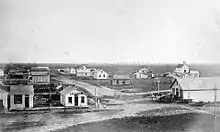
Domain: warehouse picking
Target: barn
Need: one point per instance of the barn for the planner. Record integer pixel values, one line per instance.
(196, 89)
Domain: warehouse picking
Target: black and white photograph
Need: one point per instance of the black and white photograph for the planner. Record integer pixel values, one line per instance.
(109, 65)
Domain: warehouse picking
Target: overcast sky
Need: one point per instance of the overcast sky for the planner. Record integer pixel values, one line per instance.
(109, 30)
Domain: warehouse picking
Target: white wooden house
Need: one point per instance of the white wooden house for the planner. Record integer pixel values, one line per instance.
(1, 72)
(21, 97)
(85, 72)
(100, 74)
(73, 96)
(143, 73)
(182, 68)
(196, 89)
(4, 92)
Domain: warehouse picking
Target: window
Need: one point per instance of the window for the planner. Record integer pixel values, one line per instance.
(70, 100)
(104, 75)
(82, 99)
(99, 75)
(17, 99)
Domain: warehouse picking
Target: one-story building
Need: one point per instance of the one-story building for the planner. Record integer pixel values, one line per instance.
(21, 97)
(196, 89)
(120, 80)
(100, 74)
(1, 72)
(4, 92)
(73, 96)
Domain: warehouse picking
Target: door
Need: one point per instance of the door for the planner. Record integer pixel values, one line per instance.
(26, 101)
(1, 105)
(76, 100)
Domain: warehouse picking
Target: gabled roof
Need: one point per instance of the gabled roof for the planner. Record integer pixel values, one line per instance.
(70, 89)
(205, 83)
(21, 89)
(180, 65)
(121, 77)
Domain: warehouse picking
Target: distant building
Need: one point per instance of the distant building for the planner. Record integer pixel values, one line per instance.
(72, 71)
(18, 76)
(196, 89)
(194, 74)
(100, 74)
(144, 73)
(85, 72)
(120, 80)
(40, 75)
(73, 96)
(1, 72)
(182, 68)
(21, 97)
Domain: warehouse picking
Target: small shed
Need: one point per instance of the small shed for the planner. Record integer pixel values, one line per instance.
(121, 80)
(73, 96)
(21, 96)
(196, 89)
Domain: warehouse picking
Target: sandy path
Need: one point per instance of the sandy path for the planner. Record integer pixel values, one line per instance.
(61, 121)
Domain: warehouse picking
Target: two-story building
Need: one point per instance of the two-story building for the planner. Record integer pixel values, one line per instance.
(182, 68)
(40, 75)
(85, 72)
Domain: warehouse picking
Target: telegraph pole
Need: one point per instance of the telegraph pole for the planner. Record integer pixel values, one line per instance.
(215, 116)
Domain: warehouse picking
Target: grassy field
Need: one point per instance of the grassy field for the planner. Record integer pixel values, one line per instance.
(190, 122)
(142, 85)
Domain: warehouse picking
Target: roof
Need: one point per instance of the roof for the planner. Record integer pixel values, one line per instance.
(40, 73)
(121, 77)
(70, 88)
(180, 65)
(21, 89)
(92, 90)
(194, 71)
(5, 88)
(204, 83)
(40, 68)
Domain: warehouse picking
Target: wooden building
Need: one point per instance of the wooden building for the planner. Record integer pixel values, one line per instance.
(4, 94)
(196, 89)
(120, 80)
(100, 74)
(73, 96)
(40, 75)
(21, 97)
(1, 72)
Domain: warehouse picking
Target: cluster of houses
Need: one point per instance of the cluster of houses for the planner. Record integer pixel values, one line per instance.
(22, 87)
(184, 71)
(84, 72)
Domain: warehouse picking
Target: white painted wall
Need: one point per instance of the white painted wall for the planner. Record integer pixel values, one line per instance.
(204, 96)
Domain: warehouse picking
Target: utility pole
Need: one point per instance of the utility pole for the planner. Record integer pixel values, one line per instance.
(215, 116)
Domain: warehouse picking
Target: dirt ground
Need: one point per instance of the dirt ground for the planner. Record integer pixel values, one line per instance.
(130, 116)
(192, 122)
